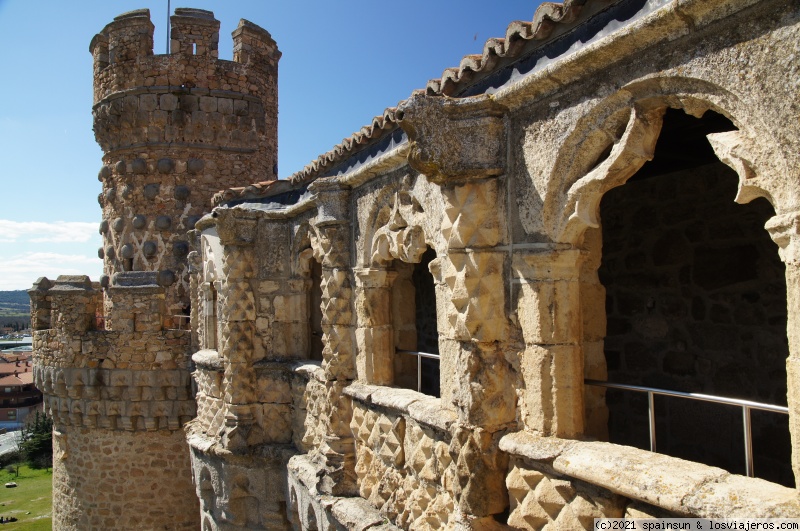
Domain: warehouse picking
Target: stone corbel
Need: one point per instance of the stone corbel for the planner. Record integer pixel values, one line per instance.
(454, 138)
(333, 202)
(785, 231)
(235, 226)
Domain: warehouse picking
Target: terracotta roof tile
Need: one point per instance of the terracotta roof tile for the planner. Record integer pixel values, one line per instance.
(548, 17)
(23, 378)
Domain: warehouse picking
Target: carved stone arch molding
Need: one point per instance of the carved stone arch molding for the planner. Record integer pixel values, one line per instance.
(397, 228)
(209, 261)
(305, 247)
(612, 142)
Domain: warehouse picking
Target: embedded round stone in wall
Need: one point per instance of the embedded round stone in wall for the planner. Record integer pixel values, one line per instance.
(139, 222)
(104, 281)
(166, 165)
(195, 165)
(110, 252)
(191, 221)
(104, 226)
(126, 251)
(118, 225)
(101, 253)
(111, 193)
(163, 222)
(105, 173)
(166, 278)
(100, 199)
(150, 249)
(139, 166)
(151, 191)
(182, 192)
(180, 249)
(127, 190)
(120, 167)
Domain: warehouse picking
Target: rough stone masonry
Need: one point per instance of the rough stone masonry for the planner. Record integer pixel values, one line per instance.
(398, 335)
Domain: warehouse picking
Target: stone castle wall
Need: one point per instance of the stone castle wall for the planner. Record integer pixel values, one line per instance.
(148, 486)
(119, 397)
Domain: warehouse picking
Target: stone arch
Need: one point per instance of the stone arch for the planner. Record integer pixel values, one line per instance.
(396, 229)
(307, 257)
(612, 142)
(303, 250)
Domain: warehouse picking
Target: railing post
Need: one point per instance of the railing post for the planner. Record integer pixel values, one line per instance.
(419, 373)
(651, 411)
(748, 442)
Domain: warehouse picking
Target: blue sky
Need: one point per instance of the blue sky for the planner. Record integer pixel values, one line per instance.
(343, 63)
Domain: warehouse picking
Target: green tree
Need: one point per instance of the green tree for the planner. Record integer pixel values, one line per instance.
(36, 441)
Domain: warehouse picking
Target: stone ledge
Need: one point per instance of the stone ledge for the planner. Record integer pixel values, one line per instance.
(208, 360)
(309, 370)
(680, 486)
(392, 398)
(353, 514)
(417, 406)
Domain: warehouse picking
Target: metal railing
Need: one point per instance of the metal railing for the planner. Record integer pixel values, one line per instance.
(180, 322)
(419, 356)
(746, 406)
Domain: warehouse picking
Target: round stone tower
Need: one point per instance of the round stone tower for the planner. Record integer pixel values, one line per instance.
(112, 363)
(174, 130)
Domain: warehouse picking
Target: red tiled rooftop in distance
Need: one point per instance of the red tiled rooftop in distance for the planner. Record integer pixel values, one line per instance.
(23, 378)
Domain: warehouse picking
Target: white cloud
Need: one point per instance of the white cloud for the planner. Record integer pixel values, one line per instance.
(21, 270)
(46, 232)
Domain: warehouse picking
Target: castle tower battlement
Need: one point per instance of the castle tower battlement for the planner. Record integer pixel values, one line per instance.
(175, 129)
(109, 379)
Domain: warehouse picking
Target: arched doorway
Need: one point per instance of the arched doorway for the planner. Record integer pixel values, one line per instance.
(695, 302)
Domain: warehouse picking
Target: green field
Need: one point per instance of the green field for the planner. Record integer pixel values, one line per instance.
(30, 503)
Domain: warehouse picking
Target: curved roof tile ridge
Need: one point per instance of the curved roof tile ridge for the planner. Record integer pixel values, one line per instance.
(547, 17)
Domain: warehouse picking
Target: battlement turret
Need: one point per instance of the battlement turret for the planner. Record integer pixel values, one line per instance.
(194, 32)
(119, 380)
(253, 45)
(175, 129)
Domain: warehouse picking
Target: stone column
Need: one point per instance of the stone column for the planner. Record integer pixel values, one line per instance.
(237, 327)
(461, 146)
(785, 231)
(375, 335)
(548, 307)
(332, 248)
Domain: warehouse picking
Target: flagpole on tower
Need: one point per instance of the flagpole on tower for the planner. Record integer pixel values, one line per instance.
(168, 26)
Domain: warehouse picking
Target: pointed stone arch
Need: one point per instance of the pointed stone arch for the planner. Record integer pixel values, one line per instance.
(611, 142)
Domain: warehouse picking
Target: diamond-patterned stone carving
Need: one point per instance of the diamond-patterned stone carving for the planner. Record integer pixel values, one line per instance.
(239, 303)
(471, 217)
(476, 286)
(544, 501)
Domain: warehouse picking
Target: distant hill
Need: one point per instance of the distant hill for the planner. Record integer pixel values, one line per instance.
(15, 309)
(16, 301)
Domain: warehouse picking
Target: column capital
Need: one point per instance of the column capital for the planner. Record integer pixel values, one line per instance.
(373, 277)
(784, 229)
(548, 264)
(454, 138)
